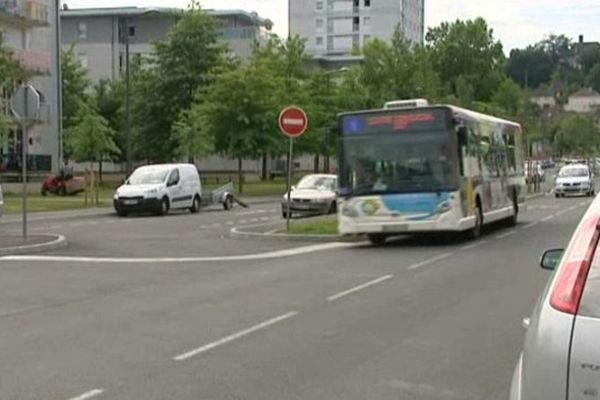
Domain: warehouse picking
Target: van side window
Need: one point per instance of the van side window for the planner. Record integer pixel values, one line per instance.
(174, 177)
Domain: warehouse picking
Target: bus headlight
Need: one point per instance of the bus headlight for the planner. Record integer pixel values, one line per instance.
(349, 211)
(443, 207)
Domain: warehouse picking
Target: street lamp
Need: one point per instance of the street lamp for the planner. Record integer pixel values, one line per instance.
(326, 130)
(128, 154)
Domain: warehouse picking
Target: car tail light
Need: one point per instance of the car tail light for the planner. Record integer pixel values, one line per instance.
(569, 286)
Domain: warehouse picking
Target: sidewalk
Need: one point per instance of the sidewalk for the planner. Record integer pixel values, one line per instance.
(14, 245)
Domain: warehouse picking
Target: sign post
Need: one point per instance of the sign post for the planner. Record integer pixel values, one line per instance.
(25, 107)
(292, 123)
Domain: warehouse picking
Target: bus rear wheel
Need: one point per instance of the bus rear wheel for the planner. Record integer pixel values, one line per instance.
(377, 239)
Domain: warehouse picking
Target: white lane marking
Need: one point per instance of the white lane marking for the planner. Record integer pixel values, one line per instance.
(530, 225)
(474, 245)
(217, 225)
(560, 213)
(359, 287)
(548, 218)
(235, 336)
(272, 210)
(264, 218)
(203, 226)
(116, 260)
(244, 221)
(507, 234)
(89, 395)
(430, 261)
(583, 203)
(572, 208)
(251, 212)
(254, 220)
(229, 223)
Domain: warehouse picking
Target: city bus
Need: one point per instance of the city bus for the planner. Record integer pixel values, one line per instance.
(413, 168)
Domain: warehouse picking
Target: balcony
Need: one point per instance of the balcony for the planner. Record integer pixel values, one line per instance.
(25, 12)
(35, 62)
(250, 32)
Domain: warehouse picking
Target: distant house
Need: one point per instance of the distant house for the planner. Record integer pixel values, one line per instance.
(583, 101)
(543, 97)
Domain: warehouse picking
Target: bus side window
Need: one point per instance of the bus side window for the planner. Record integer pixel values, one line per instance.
(462, 134)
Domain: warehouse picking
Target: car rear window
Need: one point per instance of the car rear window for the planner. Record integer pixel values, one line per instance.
(590, 301)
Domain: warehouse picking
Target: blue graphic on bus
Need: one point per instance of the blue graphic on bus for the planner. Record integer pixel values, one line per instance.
(417, 203)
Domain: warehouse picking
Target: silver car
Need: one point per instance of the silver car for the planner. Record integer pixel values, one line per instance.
(315, 194)
(574, 179)
(561, 354)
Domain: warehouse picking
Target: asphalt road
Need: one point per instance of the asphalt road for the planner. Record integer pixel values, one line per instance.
(416, 319)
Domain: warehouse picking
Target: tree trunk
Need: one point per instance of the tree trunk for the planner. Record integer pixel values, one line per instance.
(263, 176)
(240, 176)
(100, 171)
(316, 164)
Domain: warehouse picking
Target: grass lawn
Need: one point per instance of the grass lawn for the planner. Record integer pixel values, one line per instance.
(321, 226)
(38, 203)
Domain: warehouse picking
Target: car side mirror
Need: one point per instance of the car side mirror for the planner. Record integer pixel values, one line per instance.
(551, 259)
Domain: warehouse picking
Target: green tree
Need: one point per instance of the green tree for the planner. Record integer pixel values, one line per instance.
(10, 73)
(181, 65)
(108, 98)
(590, 57)
(577, 134)
(593, 78)
(508, 96)
(92, 138)
(75, 86)
(467, 49)
(239, 110)
(192, 137)
(530, 67)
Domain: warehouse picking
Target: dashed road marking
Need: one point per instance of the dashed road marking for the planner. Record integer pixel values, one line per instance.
(474, 245)
(235, 336)
(359, 287)
(530, 225)
(548, 218)
(505, 235)
(88, 395)
(430, 261)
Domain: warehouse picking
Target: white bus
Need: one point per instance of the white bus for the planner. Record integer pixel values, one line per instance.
(424, 168)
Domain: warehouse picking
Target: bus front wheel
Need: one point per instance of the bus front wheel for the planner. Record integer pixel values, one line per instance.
(475, 232)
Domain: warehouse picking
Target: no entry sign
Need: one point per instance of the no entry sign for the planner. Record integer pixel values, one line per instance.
(293, 121)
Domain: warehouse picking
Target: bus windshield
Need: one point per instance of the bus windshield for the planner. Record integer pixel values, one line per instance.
(398, 163)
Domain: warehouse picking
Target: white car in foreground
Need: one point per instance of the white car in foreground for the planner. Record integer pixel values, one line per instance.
(574, 179)
(315, 194)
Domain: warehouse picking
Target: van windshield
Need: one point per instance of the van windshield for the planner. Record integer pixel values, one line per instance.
(147, 176)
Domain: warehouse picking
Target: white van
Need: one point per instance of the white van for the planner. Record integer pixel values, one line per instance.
(160, 188)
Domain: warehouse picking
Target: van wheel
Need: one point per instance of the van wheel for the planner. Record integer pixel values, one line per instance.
(164, 207)
(195, 208)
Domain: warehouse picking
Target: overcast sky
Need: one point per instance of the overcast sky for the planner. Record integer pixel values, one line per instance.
(516, 23)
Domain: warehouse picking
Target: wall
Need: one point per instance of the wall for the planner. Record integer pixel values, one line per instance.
(582, 104)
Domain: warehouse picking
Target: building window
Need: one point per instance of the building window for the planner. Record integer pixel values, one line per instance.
(131, 31)
(330, 43)
(356, 3)
(367, 3)
(366, 38)
(355, 24)
(367, 21)
(82, 30)
(319, 41)
(319, 4)
(319, 23)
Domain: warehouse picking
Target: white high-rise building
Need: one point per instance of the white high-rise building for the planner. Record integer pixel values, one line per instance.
(333, 28)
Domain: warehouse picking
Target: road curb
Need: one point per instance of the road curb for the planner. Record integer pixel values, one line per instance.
(242, 232)
(56, 242)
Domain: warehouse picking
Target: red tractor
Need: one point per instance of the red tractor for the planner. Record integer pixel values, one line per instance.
(63, 185)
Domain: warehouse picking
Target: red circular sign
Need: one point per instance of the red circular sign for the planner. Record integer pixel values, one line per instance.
(293, 121)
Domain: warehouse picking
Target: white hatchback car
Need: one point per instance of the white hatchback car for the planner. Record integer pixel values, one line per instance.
(574, 179)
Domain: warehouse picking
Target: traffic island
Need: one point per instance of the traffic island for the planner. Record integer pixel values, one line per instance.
(11, 245)
(320, 229)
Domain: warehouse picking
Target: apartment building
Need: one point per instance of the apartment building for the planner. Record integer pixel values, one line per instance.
(30, 31)
(334, 28)
(100, 35)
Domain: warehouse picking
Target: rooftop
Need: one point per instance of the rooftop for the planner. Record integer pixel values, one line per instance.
(139, 11)
(586, 92)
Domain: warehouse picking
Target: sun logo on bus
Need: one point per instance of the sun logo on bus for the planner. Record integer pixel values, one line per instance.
(370, 207)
